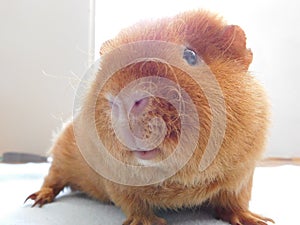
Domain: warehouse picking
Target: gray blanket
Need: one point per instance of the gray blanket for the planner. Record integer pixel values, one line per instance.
(275, 194)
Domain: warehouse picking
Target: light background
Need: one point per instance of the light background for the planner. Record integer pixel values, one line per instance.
(46, 45)
(43, 48)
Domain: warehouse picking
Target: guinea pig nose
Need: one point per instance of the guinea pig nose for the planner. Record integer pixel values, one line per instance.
(139, 106)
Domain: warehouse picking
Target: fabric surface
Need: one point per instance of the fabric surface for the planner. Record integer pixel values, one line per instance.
(275, 194)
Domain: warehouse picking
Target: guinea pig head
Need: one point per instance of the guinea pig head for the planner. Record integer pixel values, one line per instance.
(141, 128)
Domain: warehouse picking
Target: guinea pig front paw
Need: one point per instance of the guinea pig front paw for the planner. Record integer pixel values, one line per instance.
(242, 217)
(139, 220)
(45, 195)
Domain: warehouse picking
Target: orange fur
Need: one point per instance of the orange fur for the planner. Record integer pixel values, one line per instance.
(226, 184)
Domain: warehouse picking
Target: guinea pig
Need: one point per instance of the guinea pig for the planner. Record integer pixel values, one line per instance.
(171, 119)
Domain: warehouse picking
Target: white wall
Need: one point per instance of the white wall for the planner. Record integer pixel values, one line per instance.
(273, 32)
(53, 36)
(36, 36)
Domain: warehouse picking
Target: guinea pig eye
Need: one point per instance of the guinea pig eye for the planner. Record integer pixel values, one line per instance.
(190, 56)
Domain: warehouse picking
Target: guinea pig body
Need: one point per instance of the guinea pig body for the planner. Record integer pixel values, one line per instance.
(226, 183)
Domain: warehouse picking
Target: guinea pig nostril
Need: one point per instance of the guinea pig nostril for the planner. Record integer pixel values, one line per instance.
(137, 103)
(139, 106)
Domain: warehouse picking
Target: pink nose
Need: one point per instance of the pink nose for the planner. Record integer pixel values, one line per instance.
(139, 106)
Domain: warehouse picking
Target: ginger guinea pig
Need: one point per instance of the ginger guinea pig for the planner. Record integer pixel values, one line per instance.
(171, 119)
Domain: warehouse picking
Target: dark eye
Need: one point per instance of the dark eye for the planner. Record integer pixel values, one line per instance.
(190, 56)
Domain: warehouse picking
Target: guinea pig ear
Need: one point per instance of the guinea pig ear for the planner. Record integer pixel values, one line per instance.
(233, 41)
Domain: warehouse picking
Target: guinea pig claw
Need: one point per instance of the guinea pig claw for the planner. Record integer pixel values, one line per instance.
(41, 197)
(243, 218)
(37, 201)
(32, 196)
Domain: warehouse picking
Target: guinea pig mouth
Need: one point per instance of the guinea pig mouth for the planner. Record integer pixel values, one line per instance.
(146, 155)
